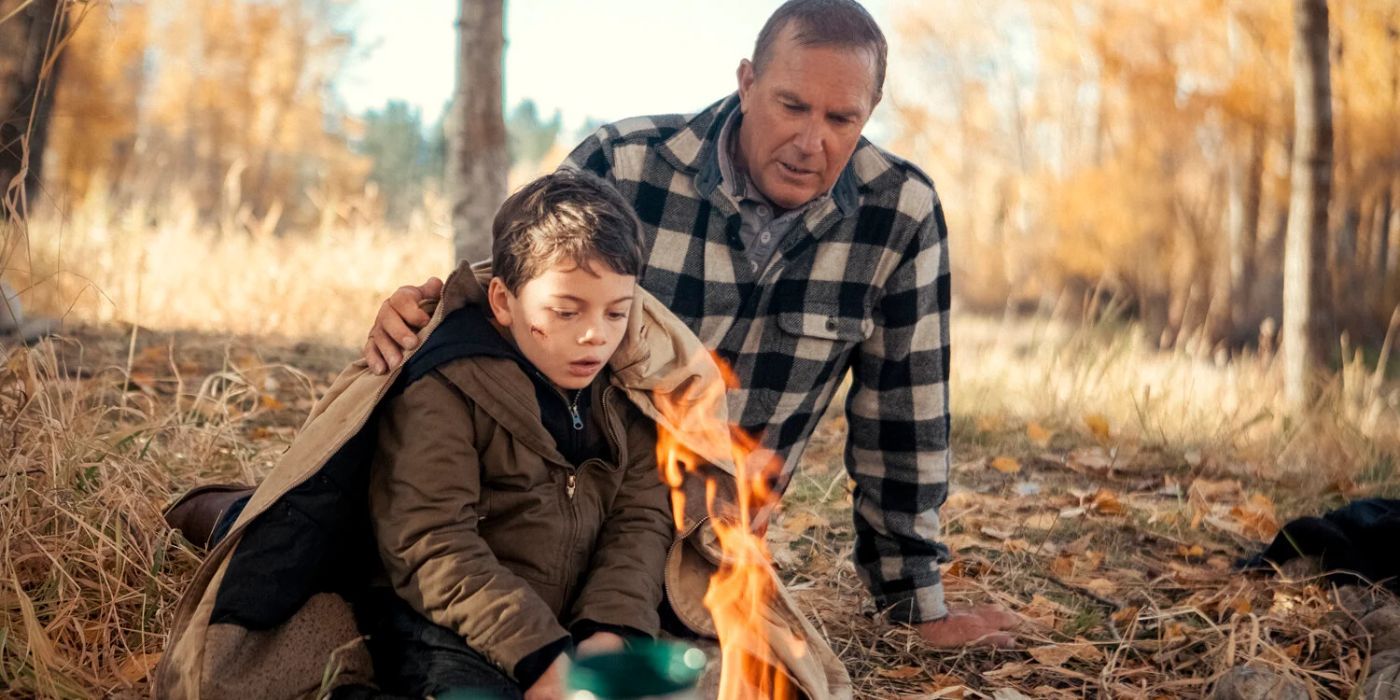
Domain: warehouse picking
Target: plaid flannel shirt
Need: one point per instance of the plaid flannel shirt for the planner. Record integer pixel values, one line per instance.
(861, 283)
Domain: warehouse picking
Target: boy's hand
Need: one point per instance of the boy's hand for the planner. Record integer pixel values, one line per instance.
(395, 326)
(550, 686)
(600, 643)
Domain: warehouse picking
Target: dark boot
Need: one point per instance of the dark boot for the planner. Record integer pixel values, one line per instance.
(197, 513)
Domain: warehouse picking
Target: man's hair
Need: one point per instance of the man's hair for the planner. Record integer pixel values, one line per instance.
(825, 23)
(566, 215)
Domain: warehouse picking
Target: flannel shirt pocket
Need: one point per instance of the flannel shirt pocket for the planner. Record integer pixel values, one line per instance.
(825, 321)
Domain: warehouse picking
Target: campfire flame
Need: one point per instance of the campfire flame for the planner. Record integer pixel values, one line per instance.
(739, 594)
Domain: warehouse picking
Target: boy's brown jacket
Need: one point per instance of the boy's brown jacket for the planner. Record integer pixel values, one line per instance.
(254, 626)
(486, 527)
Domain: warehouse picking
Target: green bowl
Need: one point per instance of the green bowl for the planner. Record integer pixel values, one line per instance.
(646, 669)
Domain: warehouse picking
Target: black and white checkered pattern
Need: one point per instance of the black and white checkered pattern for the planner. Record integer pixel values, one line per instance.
(860, 284)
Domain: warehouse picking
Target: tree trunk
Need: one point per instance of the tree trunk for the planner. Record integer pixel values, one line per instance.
(1235, 280)
(26, 95)
(1305, 251)
(477, 162)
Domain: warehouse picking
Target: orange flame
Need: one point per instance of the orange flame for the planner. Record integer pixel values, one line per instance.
(741, 592)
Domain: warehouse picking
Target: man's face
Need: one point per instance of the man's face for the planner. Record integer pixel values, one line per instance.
(802, 117)
(568, 321)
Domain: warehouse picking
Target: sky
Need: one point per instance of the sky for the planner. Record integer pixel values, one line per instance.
(604, 59)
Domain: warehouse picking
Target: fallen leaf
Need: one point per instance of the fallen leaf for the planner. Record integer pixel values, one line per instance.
(1105, 502)
(1124, 615)
(1006, 465)
(1042, 521)
(1194, 551)
(1092, 560)
(1038, 434)
(1098, 425)
(1009, 694)
(1102, 586)
(137, 667)
(901, 673)
(1052, 654)
(946, 686)
(1216, 490)
(271, 403)
(1090, 460)
(1063, 566)
(801, 521)
(1085, 651)
(1081, 545)
(1257, 517)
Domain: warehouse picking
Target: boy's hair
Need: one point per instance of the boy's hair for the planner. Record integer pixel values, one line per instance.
(566, 215)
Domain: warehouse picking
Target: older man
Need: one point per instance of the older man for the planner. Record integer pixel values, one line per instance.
(798, 250)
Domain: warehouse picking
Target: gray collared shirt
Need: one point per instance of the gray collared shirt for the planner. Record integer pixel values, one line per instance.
(762, 227)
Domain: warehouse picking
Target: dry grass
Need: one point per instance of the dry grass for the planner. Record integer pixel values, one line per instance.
(100, 426)
(163, 269)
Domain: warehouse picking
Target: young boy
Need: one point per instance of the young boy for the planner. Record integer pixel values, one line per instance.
(514, 493)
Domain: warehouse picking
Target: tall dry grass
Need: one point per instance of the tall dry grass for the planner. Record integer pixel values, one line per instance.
(1059, 368)
(163, 267)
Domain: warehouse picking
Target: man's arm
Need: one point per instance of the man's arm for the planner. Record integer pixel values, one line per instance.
(898, 445)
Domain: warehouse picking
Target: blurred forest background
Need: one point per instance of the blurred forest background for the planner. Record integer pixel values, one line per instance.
(1175, 233)
(1135, 150)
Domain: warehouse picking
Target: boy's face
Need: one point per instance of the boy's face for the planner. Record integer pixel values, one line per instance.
(568, 321)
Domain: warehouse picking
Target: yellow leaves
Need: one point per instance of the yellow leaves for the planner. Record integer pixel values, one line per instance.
(802, 521)
(1224, 506)
(1038, 435)
(1051, 655)
(1256, 517)
(1124, 616)
(137, 667)
(902, 673)
(1005, 465)
(1098, 426)
(1057, 655)
(1194, 551)
(1102, 586)
(1069, 565)
(1105, 502)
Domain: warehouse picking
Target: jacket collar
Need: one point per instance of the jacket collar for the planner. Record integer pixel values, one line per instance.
(499, 385)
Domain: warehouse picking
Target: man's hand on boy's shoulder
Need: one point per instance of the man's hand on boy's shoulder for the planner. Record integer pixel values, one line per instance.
(396, 325)
(550, 686)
